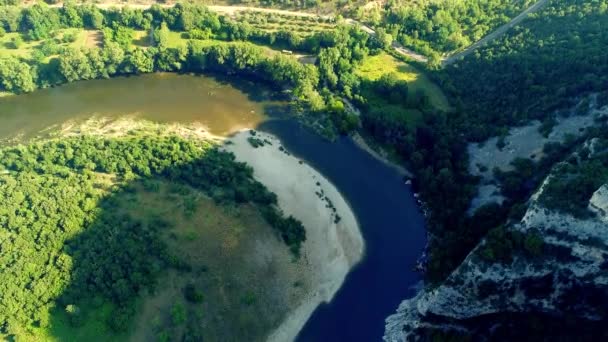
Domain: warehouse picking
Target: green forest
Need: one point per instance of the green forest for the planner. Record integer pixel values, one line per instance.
(545, 65)
(59, 227)
(440, 27)
(433, 146)
(66, 237)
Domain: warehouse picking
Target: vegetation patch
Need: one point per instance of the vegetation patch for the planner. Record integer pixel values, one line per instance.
(289, 25)
(89, 237)
(374, 67)
(573, 183)
(440, 27)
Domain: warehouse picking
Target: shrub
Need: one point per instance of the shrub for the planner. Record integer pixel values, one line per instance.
(178, 314)
(192, 294)
(16, 42)
(200, 34)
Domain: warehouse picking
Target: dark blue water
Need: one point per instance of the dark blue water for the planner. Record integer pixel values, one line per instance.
(392, 227)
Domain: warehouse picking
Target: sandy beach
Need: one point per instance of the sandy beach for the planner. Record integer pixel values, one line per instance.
(331, 249)
(333, 240)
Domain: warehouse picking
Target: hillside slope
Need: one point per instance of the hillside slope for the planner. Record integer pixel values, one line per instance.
(545, 275)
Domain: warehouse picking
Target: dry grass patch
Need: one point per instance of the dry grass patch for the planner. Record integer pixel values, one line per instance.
(246, 276)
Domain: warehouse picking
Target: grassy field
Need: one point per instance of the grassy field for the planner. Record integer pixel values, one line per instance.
(374, 67)
(179, 39)
(243, 271)
(143, 39)
(26, 48)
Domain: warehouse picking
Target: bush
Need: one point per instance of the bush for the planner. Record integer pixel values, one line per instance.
(178, 314)
(16, 42)
(69, 37)
(200, 34)
(192, 294)
(533, 244)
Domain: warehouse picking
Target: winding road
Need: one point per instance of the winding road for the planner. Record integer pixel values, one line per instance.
(495, 34)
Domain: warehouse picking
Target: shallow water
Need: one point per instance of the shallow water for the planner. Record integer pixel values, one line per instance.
(390, 221)
(160, 97)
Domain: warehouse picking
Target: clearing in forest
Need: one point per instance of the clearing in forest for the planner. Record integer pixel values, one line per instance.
(93, 39)
(17, 44)
(373, 67)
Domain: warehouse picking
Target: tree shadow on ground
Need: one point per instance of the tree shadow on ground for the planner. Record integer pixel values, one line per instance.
(123, 249)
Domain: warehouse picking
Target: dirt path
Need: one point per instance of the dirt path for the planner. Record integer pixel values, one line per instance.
(495, 34)
(231, 10)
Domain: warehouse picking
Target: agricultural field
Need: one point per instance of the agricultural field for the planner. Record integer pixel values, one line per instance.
(273, 22)
(181, 39)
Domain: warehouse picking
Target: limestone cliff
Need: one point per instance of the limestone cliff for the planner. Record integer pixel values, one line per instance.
(564, 276)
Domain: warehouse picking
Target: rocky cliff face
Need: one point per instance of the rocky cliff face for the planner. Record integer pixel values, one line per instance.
(563, 275)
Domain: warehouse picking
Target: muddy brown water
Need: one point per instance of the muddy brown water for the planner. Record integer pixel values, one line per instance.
(159, 97)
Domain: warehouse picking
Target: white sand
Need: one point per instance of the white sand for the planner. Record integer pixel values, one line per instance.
(331, 249)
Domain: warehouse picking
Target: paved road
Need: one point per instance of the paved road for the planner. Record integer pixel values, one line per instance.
(495, 34)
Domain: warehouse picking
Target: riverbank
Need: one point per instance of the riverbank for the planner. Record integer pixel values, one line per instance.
(334, 243)
(129, 125)
(333, 240)
(382, 157)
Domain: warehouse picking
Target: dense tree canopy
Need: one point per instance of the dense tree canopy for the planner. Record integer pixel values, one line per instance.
(431, 26)
(543, 65)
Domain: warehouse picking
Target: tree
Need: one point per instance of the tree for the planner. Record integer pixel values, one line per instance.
(39, 20)
(192, 294)
(75, 65)
(70, 16)
(178, 314)
(16, 76)
(92, 17)
(113, 57)
(10, 18)
(385, 39)
(140, 61)
(122, 35)
(16, 42)
(161, 36)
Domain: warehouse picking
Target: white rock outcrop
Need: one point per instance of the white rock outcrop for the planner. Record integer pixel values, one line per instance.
(570, 277)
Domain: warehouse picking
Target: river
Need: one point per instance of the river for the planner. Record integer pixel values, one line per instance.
(160, 97)
(391, 224)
